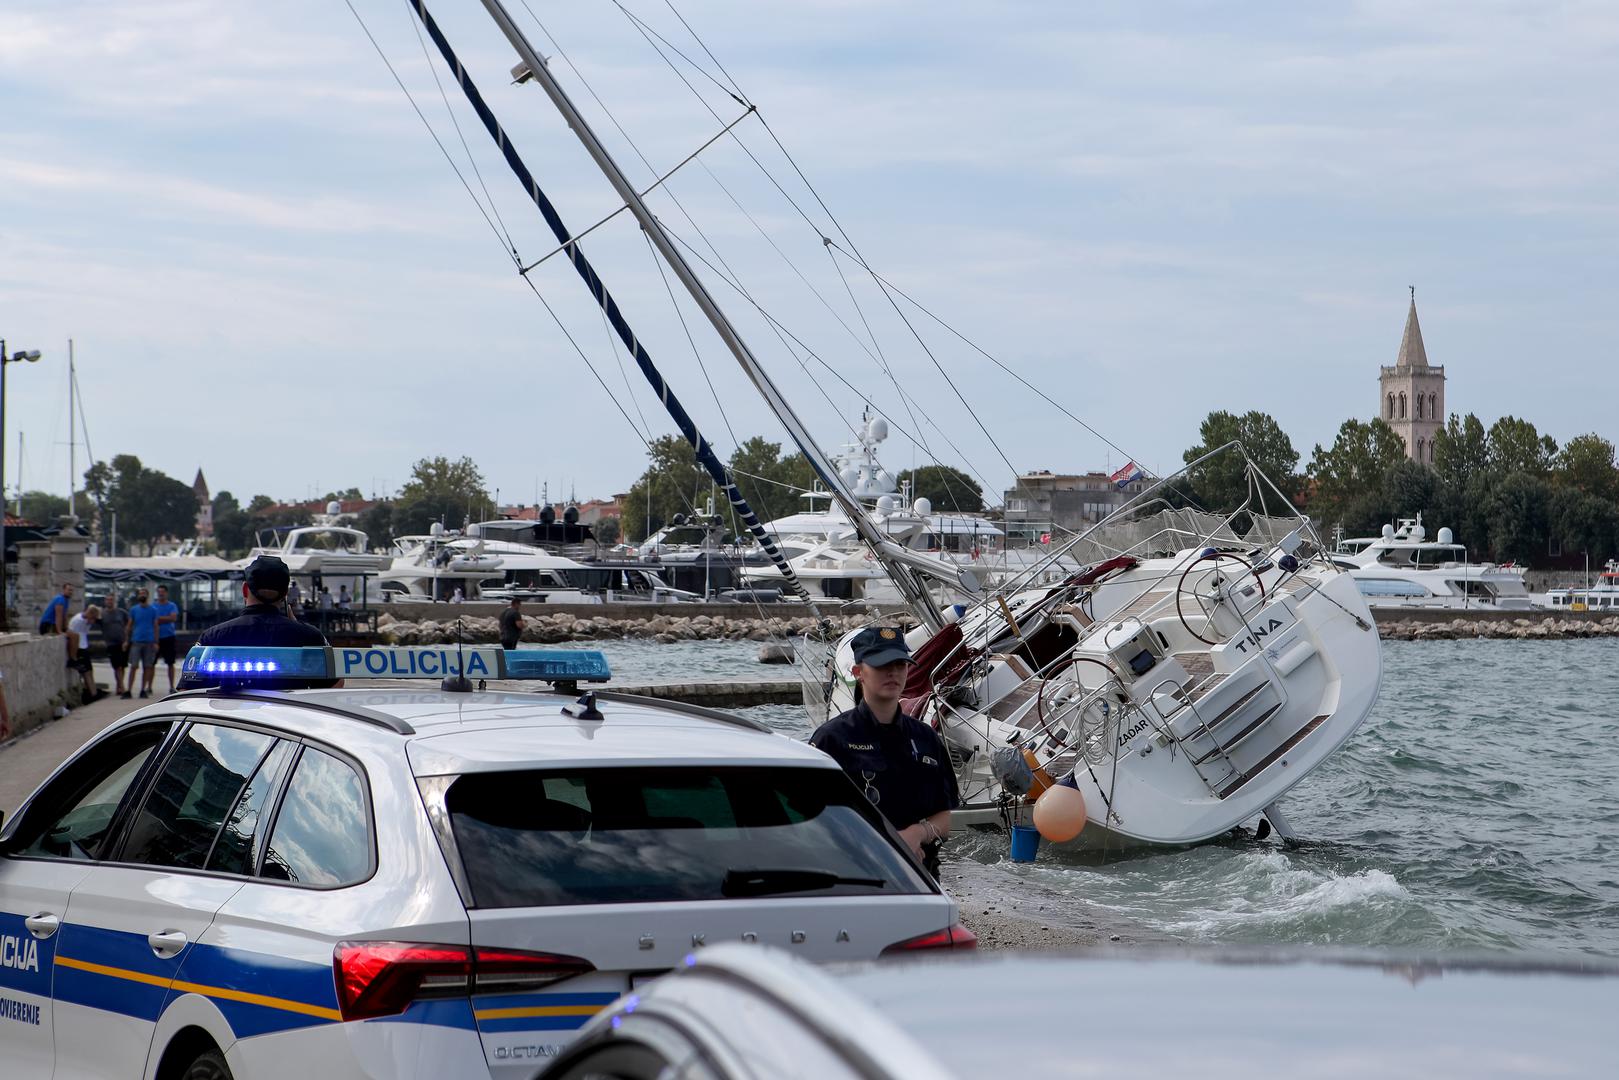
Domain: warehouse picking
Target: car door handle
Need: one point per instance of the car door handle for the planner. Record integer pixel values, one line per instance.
(42, 925)
(166, 943)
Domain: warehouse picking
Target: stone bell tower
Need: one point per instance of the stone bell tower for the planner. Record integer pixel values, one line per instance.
(1411, 394)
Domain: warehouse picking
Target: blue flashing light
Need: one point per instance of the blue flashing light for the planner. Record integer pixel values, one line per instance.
(250, 663)
(557, 665)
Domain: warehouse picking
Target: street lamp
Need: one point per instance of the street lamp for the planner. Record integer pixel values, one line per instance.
(30, 355)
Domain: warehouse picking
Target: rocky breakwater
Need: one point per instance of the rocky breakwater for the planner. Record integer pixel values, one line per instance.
(1527, 629)
(549, 629)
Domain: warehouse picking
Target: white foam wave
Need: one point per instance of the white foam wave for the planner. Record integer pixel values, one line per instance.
(1269, 890)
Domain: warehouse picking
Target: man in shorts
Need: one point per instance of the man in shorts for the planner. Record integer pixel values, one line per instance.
(78, 648)
(512, 625)
(115, 635)
(168, 621)
(143, 642)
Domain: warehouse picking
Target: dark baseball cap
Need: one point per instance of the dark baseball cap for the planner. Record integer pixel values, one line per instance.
(880, 645)
(268, 572)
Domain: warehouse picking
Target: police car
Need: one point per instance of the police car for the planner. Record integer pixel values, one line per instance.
(396, 880)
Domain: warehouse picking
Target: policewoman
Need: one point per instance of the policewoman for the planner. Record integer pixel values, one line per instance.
(898, 761)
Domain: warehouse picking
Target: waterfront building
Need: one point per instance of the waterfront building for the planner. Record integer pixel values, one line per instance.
(1044, 501)
(1411, 394)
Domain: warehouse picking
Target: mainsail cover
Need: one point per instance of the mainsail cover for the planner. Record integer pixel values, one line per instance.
(706, 457)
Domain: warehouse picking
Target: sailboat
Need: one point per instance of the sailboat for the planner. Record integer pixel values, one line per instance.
(1183, 671)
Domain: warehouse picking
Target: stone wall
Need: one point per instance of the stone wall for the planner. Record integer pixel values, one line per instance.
(37, 679)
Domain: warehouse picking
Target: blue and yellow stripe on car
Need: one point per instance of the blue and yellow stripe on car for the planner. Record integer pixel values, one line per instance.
(538, 1012)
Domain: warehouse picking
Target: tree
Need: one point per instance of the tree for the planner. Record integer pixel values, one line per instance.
(1515, 446)
(673, 484)
(1221, 484)
(1583, 522)
(1586, 464)
(234, 531)
(1348, 478)
(377, 522)
(607, 531)
(1409, 488)
(225, 503)
(1461, 450)
(946, 487)
(771, 483)
(1519, 517)
(41, 507)
(149, 504)
(440, 490)
(352, 494)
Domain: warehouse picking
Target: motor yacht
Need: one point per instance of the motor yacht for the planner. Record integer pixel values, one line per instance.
(1402, 568)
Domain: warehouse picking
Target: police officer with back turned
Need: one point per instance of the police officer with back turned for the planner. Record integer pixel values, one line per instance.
(898, 761)
(263, 622)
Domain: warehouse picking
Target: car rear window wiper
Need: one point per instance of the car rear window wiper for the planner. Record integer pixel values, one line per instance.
(767, 881)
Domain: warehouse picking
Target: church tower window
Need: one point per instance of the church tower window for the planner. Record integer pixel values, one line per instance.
(1391, 406)
(1402, 406)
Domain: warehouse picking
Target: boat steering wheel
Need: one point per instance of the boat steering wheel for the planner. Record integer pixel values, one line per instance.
(1180, 586)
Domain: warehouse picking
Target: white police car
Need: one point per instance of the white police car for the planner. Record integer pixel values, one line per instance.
(401, 881)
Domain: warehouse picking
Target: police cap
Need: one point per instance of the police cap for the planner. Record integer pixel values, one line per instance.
(269, 573)
(880, 645)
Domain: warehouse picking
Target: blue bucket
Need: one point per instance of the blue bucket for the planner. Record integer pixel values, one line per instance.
(1025, 843)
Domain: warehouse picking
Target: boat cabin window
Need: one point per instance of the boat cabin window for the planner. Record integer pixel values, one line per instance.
(1389, 587)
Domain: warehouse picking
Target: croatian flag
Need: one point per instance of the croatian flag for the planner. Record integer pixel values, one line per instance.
(1127, 475)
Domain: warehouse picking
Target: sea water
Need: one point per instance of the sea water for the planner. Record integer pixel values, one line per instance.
(1477, 809)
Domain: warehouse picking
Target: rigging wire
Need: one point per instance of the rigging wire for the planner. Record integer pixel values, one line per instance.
(431, 67)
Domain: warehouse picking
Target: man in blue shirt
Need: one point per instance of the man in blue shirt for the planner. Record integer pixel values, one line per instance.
(168, 621)
(53, 620)
(143, 641)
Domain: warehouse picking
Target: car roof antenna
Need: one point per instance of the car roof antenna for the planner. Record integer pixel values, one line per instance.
(458, 683)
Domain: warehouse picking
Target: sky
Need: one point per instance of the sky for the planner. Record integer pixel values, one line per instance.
(269, 268)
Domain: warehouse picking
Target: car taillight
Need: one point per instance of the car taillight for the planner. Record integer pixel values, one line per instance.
(951, 937)
(382, 978)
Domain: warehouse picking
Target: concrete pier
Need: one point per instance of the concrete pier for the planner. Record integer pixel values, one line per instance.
(719, 693)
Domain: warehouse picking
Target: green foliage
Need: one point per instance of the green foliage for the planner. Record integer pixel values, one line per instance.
(607, 531)
(149, 504)
(1348, 478)
(441, 490)
(41, 507)
(946, 487)
(1586, 464)
(1221, 484)
(1520, 518)
(1461, 450)
(225, 503)
(352, 494)
(783, 479)
(1515, 446)
(377, 522)
(673, 484)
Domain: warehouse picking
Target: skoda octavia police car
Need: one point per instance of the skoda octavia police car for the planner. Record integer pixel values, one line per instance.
(404, 881)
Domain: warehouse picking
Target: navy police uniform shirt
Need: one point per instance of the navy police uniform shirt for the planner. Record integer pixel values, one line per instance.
(902, 767)
(267, 626)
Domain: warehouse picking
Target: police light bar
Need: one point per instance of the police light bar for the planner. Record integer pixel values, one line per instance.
(267, 666)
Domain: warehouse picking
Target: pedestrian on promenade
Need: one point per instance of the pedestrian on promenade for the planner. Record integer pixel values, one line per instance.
(53, 620)
(263, 621)
(78, 648)
(512, 625)
(142, 641)
(343, 598)
(168, 621)
(115, 635)
(899, 762)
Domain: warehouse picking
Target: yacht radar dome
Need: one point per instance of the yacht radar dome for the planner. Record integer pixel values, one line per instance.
(436, 529)
(877, 430)
(923, 507)
(334, 508)
(1446, 536)
(548, 514)
(887, 504)
(1388, 532)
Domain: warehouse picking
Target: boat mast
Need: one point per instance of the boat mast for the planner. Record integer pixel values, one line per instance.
(72, 460)
(904, 566)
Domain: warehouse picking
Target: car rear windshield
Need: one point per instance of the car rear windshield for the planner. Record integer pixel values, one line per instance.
(633, 835)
